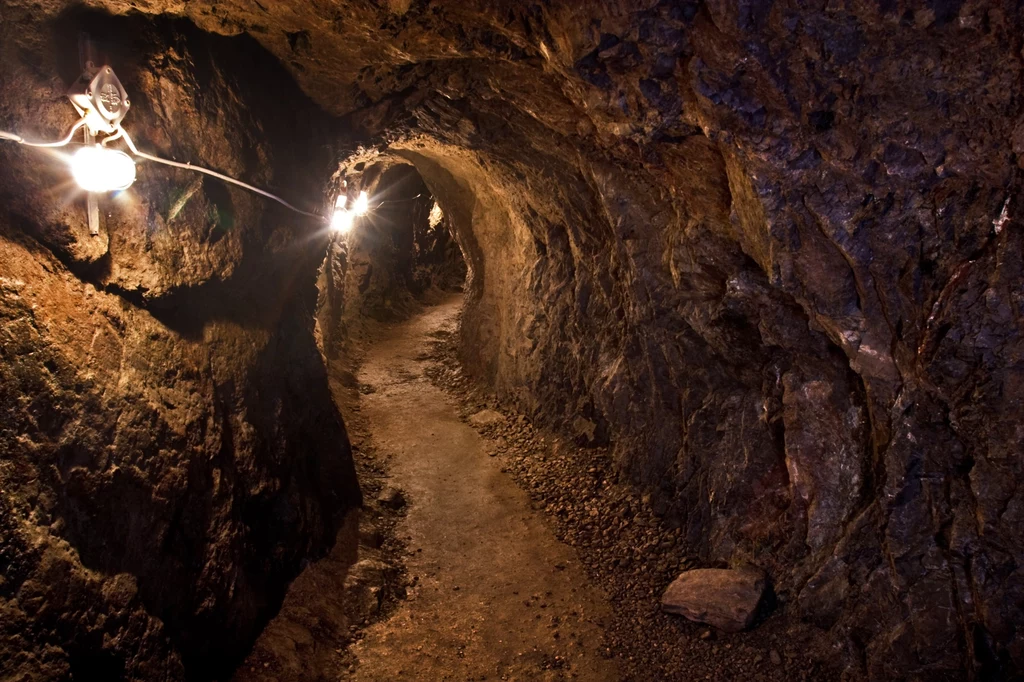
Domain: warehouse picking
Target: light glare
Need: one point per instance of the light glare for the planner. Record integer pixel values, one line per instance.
(97, 169)
(342, 221)
(362, 204)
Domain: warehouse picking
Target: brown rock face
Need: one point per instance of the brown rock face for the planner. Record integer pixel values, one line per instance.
(724, 598)
(169, 452)
(770, 252)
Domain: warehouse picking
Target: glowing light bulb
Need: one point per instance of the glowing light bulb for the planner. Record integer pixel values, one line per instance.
(342, 220)
(362, 204)
(98, 169)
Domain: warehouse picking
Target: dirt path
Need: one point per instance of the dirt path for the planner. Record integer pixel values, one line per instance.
(495, 595)
(493, 589)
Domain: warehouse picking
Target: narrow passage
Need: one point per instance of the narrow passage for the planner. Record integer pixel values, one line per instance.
(496, 596)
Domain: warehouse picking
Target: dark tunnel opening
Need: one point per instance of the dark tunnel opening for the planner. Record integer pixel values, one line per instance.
(408, 241)
(431, 257)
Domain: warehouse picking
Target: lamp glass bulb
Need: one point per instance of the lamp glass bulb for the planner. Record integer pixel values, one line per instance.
(362, 205)
(98, 169)
(342, 221)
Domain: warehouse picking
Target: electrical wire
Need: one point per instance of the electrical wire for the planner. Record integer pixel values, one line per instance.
(60, 143)
(122, 133)
(220, 176)
(116, 136)
(399, 201)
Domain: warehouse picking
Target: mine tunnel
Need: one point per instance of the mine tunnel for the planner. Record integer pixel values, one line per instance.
(658, 340)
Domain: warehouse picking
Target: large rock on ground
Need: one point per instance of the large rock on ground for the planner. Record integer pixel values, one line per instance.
(724, 598)
(486, 418)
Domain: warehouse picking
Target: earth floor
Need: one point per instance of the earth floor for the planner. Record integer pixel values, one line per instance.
(490, 550)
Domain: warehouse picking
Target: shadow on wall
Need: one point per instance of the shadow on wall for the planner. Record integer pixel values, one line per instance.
(169, 451)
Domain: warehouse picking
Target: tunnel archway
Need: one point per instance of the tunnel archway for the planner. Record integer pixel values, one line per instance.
(402, 254)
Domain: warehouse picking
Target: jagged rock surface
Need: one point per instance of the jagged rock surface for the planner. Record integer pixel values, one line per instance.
(169, 451)
(770, 253)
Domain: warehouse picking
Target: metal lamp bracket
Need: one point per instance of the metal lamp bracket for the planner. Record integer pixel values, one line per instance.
(103, 102)
(99, 96)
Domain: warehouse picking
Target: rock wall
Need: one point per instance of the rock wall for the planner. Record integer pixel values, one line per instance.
(169, 451)
(769, 252)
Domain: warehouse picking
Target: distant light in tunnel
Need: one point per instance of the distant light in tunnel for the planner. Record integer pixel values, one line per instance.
(362, 204)
(343, 218)
(98, 169)
(342, 221)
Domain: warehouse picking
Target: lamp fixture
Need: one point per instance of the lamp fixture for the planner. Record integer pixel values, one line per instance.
(98, 169)
(102, 103)
(362, 204)
(344, 218)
